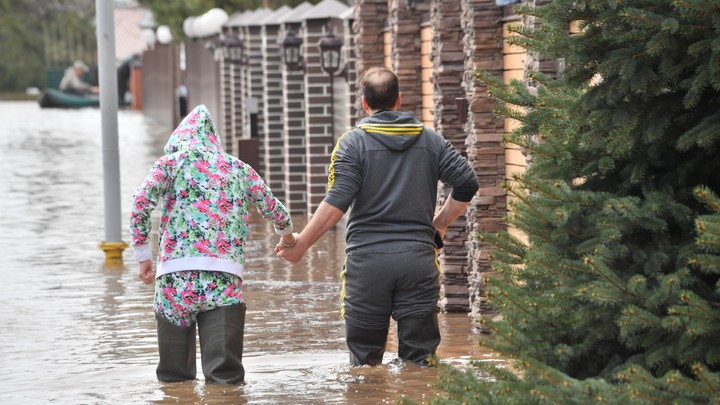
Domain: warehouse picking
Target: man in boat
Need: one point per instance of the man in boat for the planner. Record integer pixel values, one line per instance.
(72, 80)
(386, 172)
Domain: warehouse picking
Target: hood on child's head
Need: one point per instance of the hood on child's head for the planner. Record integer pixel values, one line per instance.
(195, 132)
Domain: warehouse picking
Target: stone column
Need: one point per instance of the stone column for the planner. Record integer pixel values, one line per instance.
(483, 49)
(405, 21)
(370, 19)
(448, 72)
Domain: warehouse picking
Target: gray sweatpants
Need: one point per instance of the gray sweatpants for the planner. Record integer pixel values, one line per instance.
(402, 281)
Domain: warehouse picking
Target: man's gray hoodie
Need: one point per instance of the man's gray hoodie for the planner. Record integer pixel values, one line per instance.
(387, 169)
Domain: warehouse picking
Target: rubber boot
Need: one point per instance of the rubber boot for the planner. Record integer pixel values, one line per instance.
(221, 343)
(366, 346)
(418, 339)
(176, 346)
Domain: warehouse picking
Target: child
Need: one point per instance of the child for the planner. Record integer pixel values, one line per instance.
(202, 234)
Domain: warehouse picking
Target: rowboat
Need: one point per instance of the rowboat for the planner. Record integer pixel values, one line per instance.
(54, 98)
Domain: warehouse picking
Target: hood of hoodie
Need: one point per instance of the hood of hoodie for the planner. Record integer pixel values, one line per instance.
(397, 130)
(196, 132)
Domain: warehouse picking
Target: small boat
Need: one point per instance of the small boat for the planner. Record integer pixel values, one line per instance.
(54, 98)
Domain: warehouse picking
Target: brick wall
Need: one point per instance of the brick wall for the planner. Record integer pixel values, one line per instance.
(293, 113)
(318, 115)
(272, 96)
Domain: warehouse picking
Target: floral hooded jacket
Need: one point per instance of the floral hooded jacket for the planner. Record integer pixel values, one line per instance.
(205, 194)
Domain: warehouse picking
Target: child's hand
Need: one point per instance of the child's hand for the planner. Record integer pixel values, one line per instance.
(286, 241)
(145, 271)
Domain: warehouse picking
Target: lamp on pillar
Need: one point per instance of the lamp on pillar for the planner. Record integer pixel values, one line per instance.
(330, 46)
(233, 50)
(291, 51)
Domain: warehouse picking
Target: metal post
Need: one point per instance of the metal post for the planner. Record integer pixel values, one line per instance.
(105, 31)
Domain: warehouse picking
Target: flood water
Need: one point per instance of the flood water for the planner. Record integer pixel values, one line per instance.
(75, 332)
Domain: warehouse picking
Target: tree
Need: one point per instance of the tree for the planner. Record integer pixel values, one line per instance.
(174, 12)
(616, 296)
(22, 25)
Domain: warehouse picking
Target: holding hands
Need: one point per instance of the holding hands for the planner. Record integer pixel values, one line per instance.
(289, 248)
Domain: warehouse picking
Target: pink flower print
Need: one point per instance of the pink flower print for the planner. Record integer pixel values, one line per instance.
(223, 204)
(270, 202)
(169, 293)
(212, 285)
(223, 165)
(222, 244)
(202, 205)
(203, 166)
(189, 298)
(202, 246)
(141, 202)
(170, 246)
(183, 193)
(230, 291)
(158, 176)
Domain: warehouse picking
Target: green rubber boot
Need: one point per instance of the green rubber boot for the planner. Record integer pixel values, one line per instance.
(366, 346)
(418, 339)
(221, 343)
(176, 346)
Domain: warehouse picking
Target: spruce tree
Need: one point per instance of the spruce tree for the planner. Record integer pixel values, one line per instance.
(615, 295)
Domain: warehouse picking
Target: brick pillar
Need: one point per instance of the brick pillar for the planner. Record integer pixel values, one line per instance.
(483, 48)
(254, 96)
(405, 30)
(447, 77)
(318, 116)
(226, 99)
(273, 127)
(369, 24)
(294, 133)
(352, 99)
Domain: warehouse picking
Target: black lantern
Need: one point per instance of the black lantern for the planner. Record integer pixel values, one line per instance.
(291, 50)
(234, 49)
(329, 53)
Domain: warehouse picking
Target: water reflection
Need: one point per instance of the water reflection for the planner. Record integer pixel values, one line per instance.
(74, 332)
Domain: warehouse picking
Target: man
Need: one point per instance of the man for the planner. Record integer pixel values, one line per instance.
(72, 80)
(387, 169)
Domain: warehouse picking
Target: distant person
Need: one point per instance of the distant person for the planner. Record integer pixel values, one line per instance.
(72, 81)
(206, 196)
(386, 172)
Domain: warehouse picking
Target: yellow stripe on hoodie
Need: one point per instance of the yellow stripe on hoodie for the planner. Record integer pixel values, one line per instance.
(333, 158)
(400, 129)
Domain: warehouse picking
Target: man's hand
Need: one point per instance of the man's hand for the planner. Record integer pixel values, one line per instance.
(291, 252)
(145, 271)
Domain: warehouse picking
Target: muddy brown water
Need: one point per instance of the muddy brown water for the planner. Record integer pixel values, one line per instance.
(75, 332)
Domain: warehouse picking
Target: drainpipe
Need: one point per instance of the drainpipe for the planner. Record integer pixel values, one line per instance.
(113, 245)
